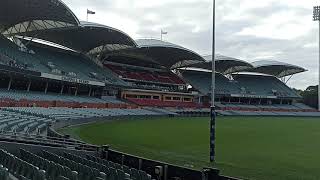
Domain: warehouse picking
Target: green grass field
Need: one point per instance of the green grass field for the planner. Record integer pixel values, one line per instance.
(247, 147)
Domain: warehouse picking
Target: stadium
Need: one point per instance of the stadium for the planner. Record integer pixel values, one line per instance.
(68, 86)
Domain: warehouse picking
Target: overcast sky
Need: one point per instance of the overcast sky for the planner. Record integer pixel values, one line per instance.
(251, 30)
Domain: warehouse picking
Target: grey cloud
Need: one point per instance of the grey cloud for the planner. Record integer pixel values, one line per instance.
(180, 18)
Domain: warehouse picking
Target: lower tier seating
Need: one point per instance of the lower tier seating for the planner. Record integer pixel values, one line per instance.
(18, 95)
(268, 113)
(159, 103)
(295, 107)
(34, 120)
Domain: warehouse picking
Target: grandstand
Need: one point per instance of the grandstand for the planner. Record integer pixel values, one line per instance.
(239, 87)
(57, 71)
(148, 71)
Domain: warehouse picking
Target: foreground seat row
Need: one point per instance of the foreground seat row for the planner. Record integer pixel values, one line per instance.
(64, 166)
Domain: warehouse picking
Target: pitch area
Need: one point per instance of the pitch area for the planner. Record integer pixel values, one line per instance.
(247, 147)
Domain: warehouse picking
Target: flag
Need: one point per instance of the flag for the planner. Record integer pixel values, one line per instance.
(90, 12)
(163, 32)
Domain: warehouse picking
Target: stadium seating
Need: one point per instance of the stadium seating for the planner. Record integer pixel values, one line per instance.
(11, 55)
(202, 81)
(65, 62)
(34, 120)
(15, 98)
(50, 60)
(268, 113)
(272, 86)
(69, 166)
(296, 107)
(17, 122)
(145, 75)
(246, 84)
(303, 106)
(41, 96)
(78, 113)
(159, 103)
(19, 168)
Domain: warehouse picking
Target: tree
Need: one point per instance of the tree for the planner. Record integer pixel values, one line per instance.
(310, 96)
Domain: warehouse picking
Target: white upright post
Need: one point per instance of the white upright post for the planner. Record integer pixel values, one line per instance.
(213, 58)
(319, 73)
(316, 17)
(213, 83)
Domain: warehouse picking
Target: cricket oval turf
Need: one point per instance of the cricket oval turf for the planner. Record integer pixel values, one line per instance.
(247, 147)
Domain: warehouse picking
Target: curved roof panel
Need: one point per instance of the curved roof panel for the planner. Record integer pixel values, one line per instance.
(167, 54)
(224, 64)
(13, 12)
(157, 43)
(276, 68)
(86, 37)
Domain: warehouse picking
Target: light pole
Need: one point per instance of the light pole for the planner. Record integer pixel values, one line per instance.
(316, 17)
(213, 83)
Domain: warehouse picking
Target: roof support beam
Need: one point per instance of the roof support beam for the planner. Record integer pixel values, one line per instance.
(34, 25)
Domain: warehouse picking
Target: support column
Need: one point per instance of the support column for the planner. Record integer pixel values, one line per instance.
(29, 85)
(10, 82)
(46, 89)
(90, 91)
(62, 87)
(76, 92)
(93, 92)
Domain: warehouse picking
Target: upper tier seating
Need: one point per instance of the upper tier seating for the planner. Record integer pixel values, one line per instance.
(48, 59)
(242, 84)
(11, 55)
(202, 81)
(68, 62)
(146, 75)
(264, 85)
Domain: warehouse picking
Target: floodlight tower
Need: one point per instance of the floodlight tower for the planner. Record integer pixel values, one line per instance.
(213, 84)
(316, 17)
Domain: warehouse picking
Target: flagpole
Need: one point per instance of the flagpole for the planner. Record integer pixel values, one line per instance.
(162, 33)
(87, 16)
